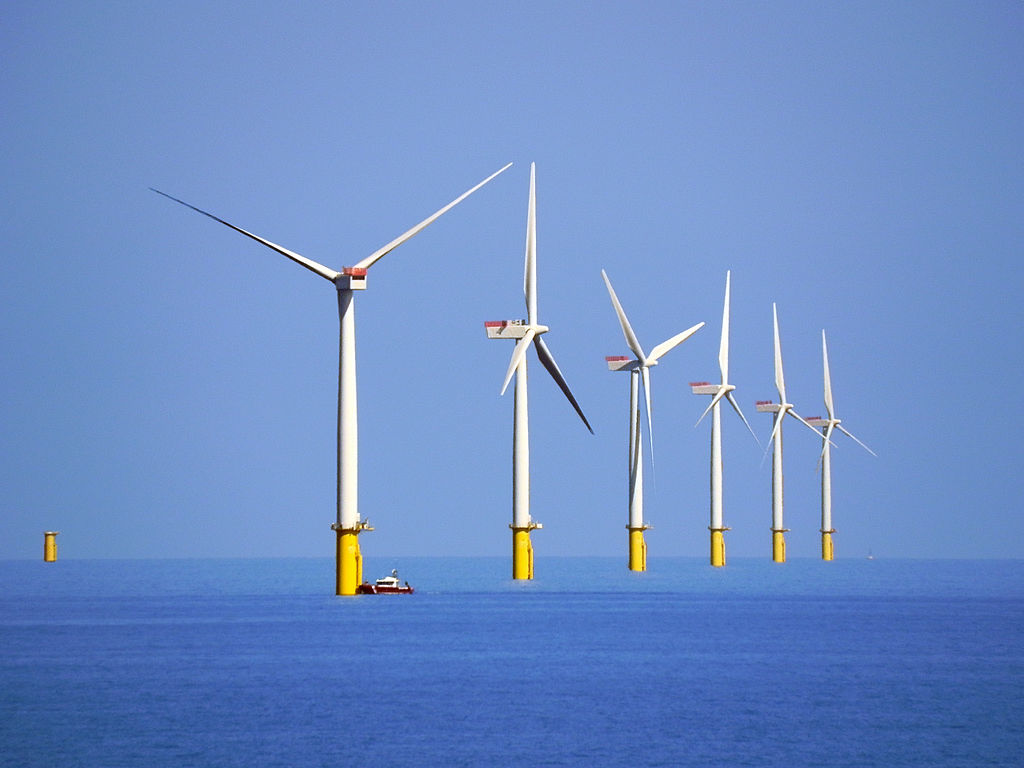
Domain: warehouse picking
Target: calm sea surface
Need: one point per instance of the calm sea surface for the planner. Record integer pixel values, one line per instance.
(254, 663)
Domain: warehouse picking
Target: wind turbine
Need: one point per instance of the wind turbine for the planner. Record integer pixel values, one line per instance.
(638, 367)
(781, 410)
(719, 392)
(349, 563)
(827, 426)
(525, 333)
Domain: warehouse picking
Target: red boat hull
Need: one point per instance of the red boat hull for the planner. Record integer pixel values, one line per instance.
(366, 588)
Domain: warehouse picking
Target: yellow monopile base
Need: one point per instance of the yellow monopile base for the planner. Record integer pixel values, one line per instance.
(718, 547)
(50, 546)
(779, 546)
(522, 553)
(637, 549)
(826, 545)
(348, 561)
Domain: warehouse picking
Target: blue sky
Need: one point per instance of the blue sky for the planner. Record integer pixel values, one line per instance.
(169, 387)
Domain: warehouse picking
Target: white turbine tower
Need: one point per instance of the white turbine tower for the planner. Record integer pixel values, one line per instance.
(781, 410)
(719, 392)
(348, 525)
(827, 426)
(526, 333)
(638, 367)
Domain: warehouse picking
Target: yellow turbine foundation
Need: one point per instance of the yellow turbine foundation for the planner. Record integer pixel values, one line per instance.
(826, 545)
(522, 552)
(50, 546)
(637, 548)
(718, 546)
(779, 545)
(348, 560)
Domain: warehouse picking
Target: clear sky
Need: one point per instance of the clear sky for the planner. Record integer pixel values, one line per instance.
(169, 386)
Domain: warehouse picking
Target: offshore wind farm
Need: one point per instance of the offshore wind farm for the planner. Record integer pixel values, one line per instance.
(795, 195)
(170, 385)
(527, 333)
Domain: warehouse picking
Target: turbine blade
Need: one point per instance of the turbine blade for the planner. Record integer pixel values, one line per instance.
(548, 362)
(627, 329)
(780, 382)
(776, 427)
(530, 267)
(672, 343)
(723, 347)
(736, 407)
(850, 435)
(373, 257)
(829, 406)
(517, 356)
(645, 372)
(634, 419)
(718, 396)
(801, 419)
(634, 448)
(827, 439)
(309, 264)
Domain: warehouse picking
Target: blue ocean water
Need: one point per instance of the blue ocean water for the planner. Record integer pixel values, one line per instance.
(255, 663)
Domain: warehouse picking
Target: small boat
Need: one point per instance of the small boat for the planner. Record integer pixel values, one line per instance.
(389, 585)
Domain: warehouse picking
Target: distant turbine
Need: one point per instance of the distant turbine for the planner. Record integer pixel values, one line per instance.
(718, 393)
(349, 563)
(639, 366)
(781, 410)
(827, 425)
(526, 333)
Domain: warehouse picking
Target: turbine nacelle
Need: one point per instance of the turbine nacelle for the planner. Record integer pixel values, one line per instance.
(512, 329)
(351, 279)
(706, 388)
(623, 363)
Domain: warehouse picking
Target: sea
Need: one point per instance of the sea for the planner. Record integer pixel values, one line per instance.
(254, 662)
